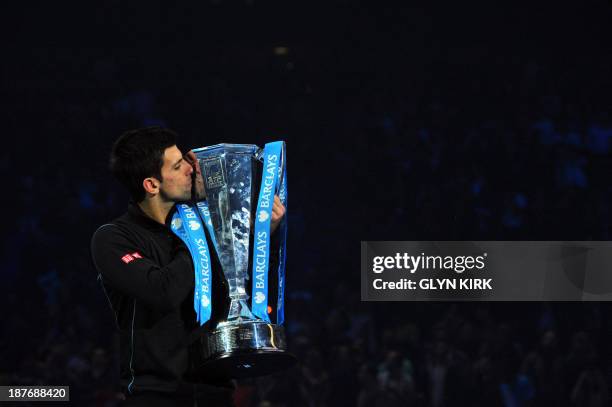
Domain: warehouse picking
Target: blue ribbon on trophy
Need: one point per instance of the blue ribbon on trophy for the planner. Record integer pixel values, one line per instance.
(273, 162)
(282, 194)
(186, 225)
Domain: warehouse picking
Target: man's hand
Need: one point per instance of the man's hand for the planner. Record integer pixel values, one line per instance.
(197, 175)
(278, 211)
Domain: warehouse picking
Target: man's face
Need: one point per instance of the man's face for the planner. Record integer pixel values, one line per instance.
(176, 176)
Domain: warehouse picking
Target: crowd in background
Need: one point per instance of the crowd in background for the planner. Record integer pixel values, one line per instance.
(516, 149)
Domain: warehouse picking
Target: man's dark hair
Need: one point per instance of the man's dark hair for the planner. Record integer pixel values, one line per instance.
(139, 154)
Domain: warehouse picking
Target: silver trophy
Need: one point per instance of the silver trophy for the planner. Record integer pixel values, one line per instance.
(238, 344)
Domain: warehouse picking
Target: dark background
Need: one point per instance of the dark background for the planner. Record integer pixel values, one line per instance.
(458, 121)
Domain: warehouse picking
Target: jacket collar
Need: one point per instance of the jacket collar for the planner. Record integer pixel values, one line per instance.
(145, 221)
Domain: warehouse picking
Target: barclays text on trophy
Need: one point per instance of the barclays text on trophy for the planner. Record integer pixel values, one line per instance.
(245, 336)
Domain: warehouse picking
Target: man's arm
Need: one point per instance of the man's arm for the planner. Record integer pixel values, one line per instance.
(140, 277)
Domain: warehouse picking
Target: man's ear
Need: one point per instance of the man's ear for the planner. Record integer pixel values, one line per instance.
(151, 185)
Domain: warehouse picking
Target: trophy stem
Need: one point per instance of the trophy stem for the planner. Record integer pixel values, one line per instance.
(239, 309)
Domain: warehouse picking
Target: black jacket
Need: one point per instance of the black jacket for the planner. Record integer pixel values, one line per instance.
(147, 274)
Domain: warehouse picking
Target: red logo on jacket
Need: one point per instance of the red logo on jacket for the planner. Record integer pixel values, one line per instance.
(131, 257)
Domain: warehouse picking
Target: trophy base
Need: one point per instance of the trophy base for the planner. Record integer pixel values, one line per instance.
(248, 349)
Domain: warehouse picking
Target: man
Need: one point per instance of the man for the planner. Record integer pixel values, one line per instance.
(148, 276)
